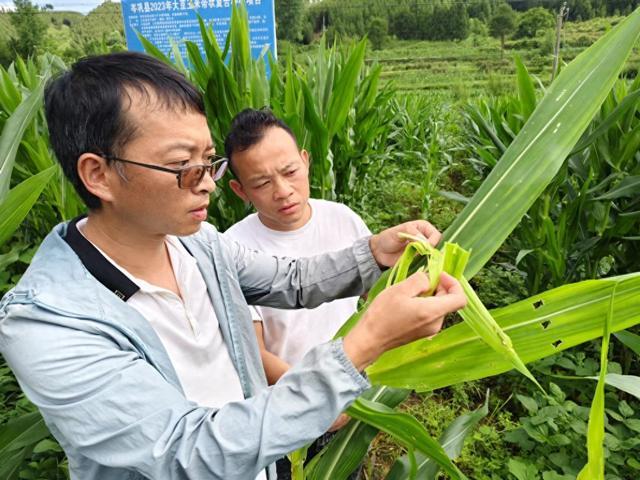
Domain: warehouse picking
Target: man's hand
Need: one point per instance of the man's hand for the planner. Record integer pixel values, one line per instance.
(399, 315)
(387, 246)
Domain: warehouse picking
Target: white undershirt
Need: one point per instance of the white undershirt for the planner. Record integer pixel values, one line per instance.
(188, 329)
(290, 334)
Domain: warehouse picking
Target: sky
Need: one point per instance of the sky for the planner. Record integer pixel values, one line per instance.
(82, 6)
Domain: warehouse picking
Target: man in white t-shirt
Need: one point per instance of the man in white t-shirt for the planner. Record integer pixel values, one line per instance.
(272, 174)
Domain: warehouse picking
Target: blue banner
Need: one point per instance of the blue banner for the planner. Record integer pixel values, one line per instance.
(160, 21)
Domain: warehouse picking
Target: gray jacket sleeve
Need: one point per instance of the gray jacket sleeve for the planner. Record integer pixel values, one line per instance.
(111, 409)
(304, 282)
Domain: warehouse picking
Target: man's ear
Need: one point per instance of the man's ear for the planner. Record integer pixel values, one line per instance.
(96, 175)
(305, 157)
(237, 188)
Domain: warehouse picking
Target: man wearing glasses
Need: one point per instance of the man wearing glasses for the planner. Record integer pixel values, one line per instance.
(130, 330)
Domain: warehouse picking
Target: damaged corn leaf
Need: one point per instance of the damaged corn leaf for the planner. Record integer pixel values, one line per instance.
(538, 327)
(476, 315)
(453, 260)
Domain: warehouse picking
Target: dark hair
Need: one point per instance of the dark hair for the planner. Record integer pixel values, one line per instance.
(247, 129)
(84, 106)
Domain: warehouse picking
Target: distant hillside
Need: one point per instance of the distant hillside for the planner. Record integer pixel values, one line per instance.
(102, 21)
(62, 17)
(6, 29)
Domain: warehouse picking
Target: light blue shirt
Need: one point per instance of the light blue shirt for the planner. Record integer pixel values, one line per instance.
(108, 392)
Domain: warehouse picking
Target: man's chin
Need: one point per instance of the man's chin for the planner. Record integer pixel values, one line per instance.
(187, 230)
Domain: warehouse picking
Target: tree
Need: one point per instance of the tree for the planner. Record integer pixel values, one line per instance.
(403, 24)
(502, 23)
(378, 29)
(290, 18)
(30, 28)
(534, 20)
(580, 10)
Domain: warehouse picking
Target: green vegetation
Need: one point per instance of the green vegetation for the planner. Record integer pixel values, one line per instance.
(30, 30)
(415, 129)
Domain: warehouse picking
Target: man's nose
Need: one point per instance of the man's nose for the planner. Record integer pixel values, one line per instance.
(206, 184)
(282, 189)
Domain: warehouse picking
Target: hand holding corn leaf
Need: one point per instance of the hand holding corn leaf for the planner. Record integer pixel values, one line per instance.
(453, 260)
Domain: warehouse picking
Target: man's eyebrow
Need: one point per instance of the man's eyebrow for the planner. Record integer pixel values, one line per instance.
(264, 176)
(258, 176)
(186, 146)
(287, 166)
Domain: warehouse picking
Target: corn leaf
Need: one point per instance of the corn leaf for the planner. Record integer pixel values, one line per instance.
(476, 316)
(344, 90)
(594, 469)
(346, 451)
(627, 383)
(154, 51)
(630, 340)
(526, 89)
(627, 105)
(10, 96)
(453, 259)
(628, 187)
(13, 131)
(538, 327)
(404, 428)
(536, 154)
(21, 198)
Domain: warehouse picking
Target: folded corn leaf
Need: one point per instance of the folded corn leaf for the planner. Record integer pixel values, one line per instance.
(453, 259)
(476, 316)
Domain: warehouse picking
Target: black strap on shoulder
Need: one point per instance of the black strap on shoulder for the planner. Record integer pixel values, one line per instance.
(101, 268)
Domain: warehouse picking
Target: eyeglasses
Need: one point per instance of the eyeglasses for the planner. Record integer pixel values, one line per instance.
(189, 176)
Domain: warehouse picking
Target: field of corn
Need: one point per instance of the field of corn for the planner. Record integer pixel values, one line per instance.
(537, 191)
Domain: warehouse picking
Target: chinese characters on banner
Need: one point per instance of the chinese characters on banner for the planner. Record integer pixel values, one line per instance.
(159, 21)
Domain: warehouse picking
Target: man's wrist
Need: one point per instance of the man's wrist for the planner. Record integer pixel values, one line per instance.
(374, 247)
(360, 349)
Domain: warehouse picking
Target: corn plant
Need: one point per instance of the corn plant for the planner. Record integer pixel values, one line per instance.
(554, 320)
(16, 202)
(586, 223)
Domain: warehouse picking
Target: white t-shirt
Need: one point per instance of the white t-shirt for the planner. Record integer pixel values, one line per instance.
(290, 334)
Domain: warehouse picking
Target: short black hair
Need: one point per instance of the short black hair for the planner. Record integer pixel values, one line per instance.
(247, 129)
(84, 106)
